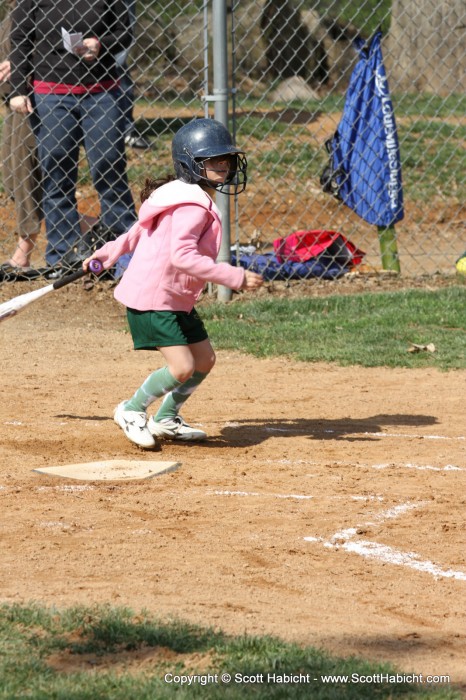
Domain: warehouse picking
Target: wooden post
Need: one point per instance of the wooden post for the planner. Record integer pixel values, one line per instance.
(388, 248)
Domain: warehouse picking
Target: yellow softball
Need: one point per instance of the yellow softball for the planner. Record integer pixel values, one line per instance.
(461, 266)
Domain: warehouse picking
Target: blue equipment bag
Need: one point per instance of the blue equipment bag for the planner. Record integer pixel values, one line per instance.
(272, 270)
(364, 170)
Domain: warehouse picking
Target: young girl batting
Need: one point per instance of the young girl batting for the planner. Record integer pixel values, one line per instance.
(175, 243)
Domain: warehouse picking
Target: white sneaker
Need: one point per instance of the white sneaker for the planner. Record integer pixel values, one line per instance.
(134, 426)
(174, 429)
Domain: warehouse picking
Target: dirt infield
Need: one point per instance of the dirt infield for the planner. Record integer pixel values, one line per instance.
(325, 508)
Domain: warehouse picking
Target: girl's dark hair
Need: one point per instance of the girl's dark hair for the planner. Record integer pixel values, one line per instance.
(151, 185)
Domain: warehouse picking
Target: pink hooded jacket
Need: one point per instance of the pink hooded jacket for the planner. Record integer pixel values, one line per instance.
(175, 243)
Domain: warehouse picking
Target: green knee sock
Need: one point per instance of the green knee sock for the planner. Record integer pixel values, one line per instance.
(175, 399)
(157, 384)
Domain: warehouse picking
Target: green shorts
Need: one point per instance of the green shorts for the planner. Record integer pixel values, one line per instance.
(155, 329)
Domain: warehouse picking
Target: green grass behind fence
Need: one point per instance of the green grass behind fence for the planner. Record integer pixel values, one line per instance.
(370, 330)
(95, 654)
(432, 152)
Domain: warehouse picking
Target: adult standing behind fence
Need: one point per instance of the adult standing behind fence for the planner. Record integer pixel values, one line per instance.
(132, 137)
(63, 69)
(20, 167)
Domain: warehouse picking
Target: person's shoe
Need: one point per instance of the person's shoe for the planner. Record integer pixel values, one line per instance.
(136, 141)
(134, 426)
(174, 429)
(53, 273)
(17, 273)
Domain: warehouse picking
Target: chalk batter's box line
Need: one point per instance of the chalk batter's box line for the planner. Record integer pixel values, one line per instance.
(407, 435)
(381, 434)
(344, 539)
(383, 465)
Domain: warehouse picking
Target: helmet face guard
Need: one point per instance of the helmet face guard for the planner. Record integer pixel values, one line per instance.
(199, 140)
(235, 182)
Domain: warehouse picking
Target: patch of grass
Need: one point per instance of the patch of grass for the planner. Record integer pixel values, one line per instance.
(370, 330)
(367, 16)
(422, 105)
(292, 153)
(85, 654)
(429, 105)
(433, 149)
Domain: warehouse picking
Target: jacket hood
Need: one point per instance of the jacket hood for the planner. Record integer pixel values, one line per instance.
(170, 195)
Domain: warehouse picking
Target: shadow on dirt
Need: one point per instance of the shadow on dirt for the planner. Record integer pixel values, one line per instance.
(71, 416)
(243, 433)
(252, 432)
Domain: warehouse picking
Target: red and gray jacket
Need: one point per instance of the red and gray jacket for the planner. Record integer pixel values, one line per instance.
(37, 51)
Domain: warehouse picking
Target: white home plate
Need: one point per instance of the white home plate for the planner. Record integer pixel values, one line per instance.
(111, 470)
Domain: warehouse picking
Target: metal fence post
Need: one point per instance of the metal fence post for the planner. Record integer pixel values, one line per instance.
(220, 95)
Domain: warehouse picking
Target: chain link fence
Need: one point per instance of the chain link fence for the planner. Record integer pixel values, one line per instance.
(288, 67)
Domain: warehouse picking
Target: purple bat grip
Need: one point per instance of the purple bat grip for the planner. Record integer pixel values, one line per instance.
(96, 267)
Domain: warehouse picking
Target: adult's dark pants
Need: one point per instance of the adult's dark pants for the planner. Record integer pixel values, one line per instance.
(64, 122)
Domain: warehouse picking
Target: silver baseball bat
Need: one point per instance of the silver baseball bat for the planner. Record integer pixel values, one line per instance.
(14, 306)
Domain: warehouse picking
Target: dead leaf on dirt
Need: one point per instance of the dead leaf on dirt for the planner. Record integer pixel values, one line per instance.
(415, 347)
